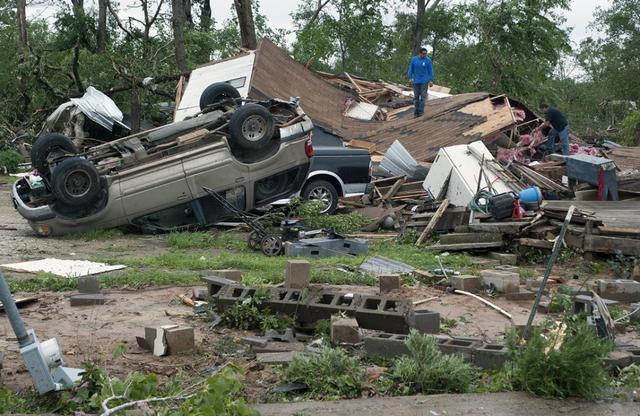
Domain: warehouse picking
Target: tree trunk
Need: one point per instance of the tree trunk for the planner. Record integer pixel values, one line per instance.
(418, 29)
(21, 24)
(178, 21)
(247, 25)
(205, 15)
(136, 110)
(102, 26)
(188, 17)
(23, 44)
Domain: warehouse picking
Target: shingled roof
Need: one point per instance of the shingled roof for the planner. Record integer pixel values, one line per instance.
(458, 119)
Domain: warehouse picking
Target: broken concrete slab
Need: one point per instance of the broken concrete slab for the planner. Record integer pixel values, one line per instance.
(88, 284)
(501, 280)
(389, 282)
(622, 290)
(298, 274)
(466, 283)
(276, 357)
(504, 258)
(345, 331)
(180, 339)
(87, 299)
(283, 336)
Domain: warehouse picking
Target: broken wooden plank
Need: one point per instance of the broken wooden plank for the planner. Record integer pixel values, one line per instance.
(394, 189)
(498, 227)
(467, 238)
(432, 224)
(611, 245)
(532, 242)
(464, 246)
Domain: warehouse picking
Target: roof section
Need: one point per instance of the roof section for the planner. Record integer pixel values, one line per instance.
(448, 121)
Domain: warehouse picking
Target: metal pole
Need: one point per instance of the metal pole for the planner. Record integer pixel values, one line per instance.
(552, 260)
(12, 313)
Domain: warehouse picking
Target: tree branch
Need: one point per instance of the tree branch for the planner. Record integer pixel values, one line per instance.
(117, 19)
(316, 14)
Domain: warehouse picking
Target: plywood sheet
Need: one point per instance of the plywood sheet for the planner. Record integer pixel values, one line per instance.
(63, 268)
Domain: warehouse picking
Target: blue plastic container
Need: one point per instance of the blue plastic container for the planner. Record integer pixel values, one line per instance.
(531, 195)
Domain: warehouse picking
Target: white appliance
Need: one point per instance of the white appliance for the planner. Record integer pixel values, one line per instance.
(458, 168)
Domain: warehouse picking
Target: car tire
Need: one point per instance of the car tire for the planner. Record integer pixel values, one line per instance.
(76, 183)
(45, 145)
(268, 187)
(217, 92)
(251, 126)
(321, 190)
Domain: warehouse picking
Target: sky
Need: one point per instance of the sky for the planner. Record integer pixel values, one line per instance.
(278, 13)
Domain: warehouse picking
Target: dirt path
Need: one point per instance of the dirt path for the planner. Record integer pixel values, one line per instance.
(495, 404)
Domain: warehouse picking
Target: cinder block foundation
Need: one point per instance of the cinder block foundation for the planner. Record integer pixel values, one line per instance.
(298, 274)
(345, 331)
(622, 290)
(465, 282)
(501, 280)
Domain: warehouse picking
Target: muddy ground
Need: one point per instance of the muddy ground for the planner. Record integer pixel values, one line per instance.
(93, 333)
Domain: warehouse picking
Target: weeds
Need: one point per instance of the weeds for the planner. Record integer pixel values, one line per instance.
(622, 266)
(246, 315)
(533, 256)
(330, 374)
(427, 370)
(309, 211)
(205, 240)
(9, 160)
(629, 377)
(556, 365)
(526, 274)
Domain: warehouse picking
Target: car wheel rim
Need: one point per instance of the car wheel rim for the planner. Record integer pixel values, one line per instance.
(271, 246)
(254, 128)
(78, 183)
(321, 194)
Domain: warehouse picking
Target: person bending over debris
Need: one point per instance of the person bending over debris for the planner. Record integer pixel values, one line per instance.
(559, 128)
(421, 77)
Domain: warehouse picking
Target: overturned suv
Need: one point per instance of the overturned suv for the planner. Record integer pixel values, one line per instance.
(251, 152)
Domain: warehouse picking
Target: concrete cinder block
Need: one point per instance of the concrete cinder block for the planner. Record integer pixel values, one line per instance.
(345, 331)
(523, 294)
(382, 314)
(504, 258)
(298, 274)
(462, 347)
(583, 304)
(618, 359)
(385, 345)
(88, 284)
(87, 299)
(215, 284)
(180, 339)
(389, 282)
(231, 274)
(465, 282)
(426, 321)
(501, 280)
(622, 290)
(490, 356)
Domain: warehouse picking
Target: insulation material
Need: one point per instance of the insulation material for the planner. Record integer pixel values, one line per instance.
(362, 111)
(63, 268)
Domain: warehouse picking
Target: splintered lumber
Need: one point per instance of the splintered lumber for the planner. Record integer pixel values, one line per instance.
(433, 222)
(498, 227)
(606, 244)
(394, 189)
(532, 242)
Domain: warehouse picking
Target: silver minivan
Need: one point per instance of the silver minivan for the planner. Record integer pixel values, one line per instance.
(252, 152)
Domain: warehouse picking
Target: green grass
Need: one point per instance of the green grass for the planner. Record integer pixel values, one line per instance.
(204, 240)
(5, 179)
(101, 235)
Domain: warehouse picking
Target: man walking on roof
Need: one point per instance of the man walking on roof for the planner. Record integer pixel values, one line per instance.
(421, 77)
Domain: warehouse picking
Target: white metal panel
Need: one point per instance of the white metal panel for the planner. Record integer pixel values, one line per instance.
(201, 78)
(463, 161)
(363, 111)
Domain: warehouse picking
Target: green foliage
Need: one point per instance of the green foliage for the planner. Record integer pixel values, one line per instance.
(630, 134)
(309, 211)
(427, 370)
(10, 403)
(628, 377)
(246, 315)
(554, 365)
(9, 160)
(331, 374)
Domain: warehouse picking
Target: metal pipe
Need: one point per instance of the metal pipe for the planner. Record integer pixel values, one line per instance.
(11, 310)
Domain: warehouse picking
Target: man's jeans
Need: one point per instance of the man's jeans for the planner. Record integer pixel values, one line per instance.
(564, 138)
(419, 98)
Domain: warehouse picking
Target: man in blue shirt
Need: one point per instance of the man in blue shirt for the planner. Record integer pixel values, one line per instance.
(559, 128)
(421, 77)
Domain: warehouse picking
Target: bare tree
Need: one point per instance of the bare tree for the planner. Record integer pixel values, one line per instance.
(247, 25)
(102, 26)
(178, 19)
(421, 12)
